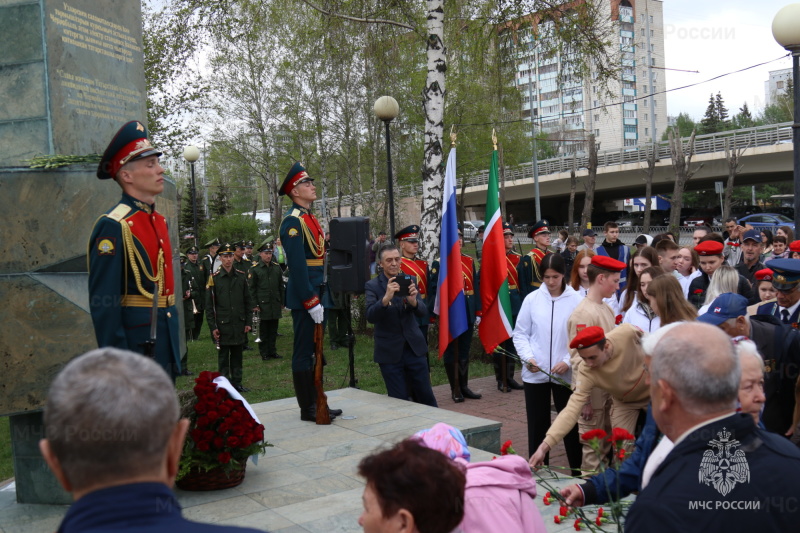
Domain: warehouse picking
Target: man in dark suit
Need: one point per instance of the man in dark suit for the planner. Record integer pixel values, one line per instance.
(400, 348)
(723, 473)
(114, 440)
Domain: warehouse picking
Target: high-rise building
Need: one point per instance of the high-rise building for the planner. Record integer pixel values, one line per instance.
(630, 111)
(777, 84)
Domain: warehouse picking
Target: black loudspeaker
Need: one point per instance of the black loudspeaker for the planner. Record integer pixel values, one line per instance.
(348, 257)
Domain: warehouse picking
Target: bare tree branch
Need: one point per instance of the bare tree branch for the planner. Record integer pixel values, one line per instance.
(356, 19)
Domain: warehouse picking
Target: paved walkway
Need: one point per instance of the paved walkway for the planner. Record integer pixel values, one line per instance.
(507, 408)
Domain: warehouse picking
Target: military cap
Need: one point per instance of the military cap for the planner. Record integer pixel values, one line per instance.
(752, 234)
(507, 229)
(794, 246)
(192, 250)
(786, 273)
(227, 249)
(248, 244)
(239, 244)
(297, 175)
(183, 257)
(707, 248)
(409, 233)
(266, 246)
(212, 242)
(724, 307)
(607, 263)
(589, 232)
(764, 274)
(129, 144)
(587, 337)
(539, 227)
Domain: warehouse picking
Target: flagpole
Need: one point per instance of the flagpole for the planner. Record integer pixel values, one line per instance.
(503, 363)
(457, 395)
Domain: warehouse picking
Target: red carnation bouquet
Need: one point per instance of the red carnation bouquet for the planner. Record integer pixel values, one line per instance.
(222, 433)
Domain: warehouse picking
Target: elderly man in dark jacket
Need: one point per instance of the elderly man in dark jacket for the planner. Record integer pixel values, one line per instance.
(400, 348)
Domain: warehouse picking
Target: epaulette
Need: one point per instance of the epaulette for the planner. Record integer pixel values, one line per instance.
(514, 252)
(255, 263)
(119, 212)
(239, 271)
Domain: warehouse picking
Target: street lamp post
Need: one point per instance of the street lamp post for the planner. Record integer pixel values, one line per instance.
(786, 30)
(386, 109)
(191, 154)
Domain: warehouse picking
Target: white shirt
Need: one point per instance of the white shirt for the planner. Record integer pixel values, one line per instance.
(791, 310)
(657, 457)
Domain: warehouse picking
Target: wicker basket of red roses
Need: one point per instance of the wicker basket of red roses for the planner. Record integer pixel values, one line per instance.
(223, 433)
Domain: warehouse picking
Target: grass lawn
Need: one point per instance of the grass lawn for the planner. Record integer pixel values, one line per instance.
(272, 380)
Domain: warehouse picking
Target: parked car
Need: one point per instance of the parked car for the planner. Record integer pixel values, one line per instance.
(739, 211)
(785, 211)
(766, 220)
(471, 230)
(702, 217)
(632, 219)
(598, 219)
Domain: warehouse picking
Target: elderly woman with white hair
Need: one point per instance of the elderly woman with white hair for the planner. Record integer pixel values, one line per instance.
(751, 386)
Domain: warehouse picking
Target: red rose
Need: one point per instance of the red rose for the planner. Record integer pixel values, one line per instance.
(618, 434)
(505, 447)
(577, 524)
(239, 431)
(557, 519)
(594, 434)
(212, 416)
(201, 407)
(223, 410)
(208, 435)
(563, 510)
(233, 442)
(202, 422)
(598, 521)
(618, 320)
(599, 511)
(224, 458)
(203, 446)
(218, 442)
(196, 434)
(697, 291)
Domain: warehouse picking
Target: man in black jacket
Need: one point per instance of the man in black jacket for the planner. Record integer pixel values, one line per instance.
(400, 348)
(724, 473)
(778, 344)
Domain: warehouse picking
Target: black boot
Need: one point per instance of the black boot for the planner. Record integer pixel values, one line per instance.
(498, 374)
(510, 380)
(305, 394)
(451, 377)
(311, 391)
(463, 382)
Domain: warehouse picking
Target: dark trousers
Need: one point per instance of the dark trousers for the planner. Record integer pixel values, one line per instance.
(303, 349)
(464, 341)
(410, 374)
(268, 333)
(198, 325)
(497, 359)
(537, 407)
(337, 326)
(229, 361)
(185, 358)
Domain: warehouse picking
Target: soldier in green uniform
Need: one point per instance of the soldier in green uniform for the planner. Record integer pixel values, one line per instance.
(198, 285)
(248, 252)
(228, 306)
(211, 260)
(189, 294)
(267, 292)
(240, 262)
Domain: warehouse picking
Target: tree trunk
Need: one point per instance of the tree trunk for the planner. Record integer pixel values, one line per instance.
(648, 187)
(732, 156)
(682, 165)
(573, 184)
(433, 105)
(586, 216)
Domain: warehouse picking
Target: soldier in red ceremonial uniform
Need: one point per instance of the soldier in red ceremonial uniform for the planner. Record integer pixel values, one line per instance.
(129, 252)
(304, 243)
(472, 300)
(408, 241)
(530, 276)
(513, 262)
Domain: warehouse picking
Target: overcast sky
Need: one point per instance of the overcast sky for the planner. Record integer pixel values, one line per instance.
(715, 37)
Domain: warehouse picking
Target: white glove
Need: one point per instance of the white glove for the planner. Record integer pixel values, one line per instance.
(477, 321)
(317, 314)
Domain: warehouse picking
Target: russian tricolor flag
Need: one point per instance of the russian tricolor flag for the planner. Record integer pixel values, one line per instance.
(450, 303)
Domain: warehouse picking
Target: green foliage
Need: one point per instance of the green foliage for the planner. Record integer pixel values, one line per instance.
(186, 219)
(684, 125)
(716, 116)
(231, 228)
(743, 119)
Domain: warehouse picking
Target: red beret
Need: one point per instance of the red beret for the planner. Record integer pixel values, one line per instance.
(765, 274)
(606, 263)
(709, 248)
(794, 246)
(588, 337)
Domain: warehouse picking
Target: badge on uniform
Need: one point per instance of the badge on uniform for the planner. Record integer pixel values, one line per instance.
(293, 232)
(105, 246)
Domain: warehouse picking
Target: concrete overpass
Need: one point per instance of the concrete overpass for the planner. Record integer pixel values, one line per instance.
(767, 158)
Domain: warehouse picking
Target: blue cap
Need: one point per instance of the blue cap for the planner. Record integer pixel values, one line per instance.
(752, 234)
(724, 307)
(787, 273)
(589, 232)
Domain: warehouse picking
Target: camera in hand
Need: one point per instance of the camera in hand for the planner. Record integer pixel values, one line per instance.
(405, 283)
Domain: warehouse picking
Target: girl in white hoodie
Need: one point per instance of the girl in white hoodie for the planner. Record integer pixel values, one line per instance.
(540, 337)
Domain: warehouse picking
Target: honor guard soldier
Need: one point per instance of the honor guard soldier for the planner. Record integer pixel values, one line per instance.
(240, 258)
(304, 243)
(786, 280)
(211, 260)
(129, 254)
(189, 294)
(248, 252)
(267, 292)
(512, 263)
(408, 241)
(472, 300)
(530, 276)
(198, 283)
(229, 306)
